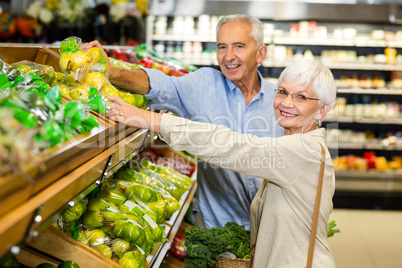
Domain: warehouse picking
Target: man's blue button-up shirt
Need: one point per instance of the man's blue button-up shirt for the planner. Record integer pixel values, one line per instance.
(207, 96)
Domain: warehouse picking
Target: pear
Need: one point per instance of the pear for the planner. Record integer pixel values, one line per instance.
(47, 73)
(64, 90)
(104, 250)
(129, 260)
(150, 239)
(159, 233)
(120, 246)
(113, 216)
(82, 238)
(108, 90)
(97, 204)
(113, 196)
(136, 100)
(159, 207)
(96, 237)
(58, 79)
(96, 80)
(128, 231)
(144, 193)
(80, 92)
(65, 62)
(93, 219)
(141, 241)
(172, 207)
(79, 60)
(96, 55)
(73, 213)
(25, 69)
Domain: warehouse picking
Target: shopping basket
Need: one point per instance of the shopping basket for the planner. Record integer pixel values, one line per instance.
(231, 263)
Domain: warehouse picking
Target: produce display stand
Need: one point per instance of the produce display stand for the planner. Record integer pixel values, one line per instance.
(12, 53)
(53, 242)
(73, 169)
(57, 162)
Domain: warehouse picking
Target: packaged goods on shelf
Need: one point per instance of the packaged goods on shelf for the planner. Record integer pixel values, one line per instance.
(369, 161)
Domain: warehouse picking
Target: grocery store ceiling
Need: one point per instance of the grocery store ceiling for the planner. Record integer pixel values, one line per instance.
(375, 11)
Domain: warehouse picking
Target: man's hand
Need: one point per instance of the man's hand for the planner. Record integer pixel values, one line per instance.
(132, 116)
(95, 43)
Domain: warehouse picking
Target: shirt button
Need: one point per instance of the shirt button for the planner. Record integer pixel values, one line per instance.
(250, 182)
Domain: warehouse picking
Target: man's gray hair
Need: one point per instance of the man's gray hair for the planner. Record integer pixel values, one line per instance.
(257, 32)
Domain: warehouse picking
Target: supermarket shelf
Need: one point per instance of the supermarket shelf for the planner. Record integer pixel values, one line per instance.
(184, 37)
(331, 65)
(364, 146)
(359, 41)
(348, 119)
(30, 217)
(371, 91)
(343, 66)
(369, 181)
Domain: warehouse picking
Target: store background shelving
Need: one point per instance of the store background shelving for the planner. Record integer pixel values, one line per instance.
(365, 47)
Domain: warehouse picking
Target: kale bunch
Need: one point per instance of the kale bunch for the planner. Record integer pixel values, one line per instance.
(203, 246)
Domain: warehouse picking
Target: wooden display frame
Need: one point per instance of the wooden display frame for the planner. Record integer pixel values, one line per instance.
(12, 53)
(61, 246)
(58, 161)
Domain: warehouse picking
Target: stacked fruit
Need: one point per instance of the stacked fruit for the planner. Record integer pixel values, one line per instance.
(142, 56)
(126, 216)
(87, 69)
(37, 106)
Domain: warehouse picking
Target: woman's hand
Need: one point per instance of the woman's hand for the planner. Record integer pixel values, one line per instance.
(132, 116)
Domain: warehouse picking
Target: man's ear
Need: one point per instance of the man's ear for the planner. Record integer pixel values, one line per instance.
(324, 109)
(262, 53)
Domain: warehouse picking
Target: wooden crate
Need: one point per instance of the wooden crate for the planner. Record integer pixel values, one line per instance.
(12, 53)
(59, 245)
(32, 258)
(58, 161)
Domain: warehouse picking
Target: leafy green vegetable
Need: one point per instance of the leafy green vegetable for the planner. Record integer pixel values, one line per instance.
(331, 230)
(203, 246)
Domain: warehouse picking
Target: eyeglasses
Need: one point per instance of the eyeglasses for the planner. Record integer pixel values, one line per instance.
(297, 97)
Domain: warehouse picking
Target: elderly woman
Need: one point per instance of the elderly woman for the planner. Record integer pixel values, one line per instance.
(282, 210)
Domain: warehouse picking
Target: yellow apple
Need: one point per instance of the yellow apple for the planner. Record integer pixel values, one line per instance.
(80, 92)
(79, 60)
(64, 90)
(96, 80)
(108, 90)
(64, 62)
(96, 55)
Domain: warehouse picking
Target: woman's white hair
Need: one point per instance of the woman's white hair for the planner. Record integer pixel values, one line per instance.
(314, 73)
(257, 32)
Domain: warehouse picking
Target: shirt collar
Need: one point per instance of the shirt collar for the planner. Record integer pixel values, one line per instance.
(232, 86)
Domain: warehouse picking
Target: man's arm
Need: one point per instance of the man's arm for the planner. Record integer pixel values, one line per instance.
(133, 80)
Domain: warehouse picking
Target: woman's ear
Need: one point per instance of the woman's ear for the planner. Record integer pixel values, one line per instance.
(323, 110)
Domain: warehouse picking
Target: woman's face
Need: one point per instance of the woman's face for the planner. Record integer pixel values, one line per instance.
(295, 113)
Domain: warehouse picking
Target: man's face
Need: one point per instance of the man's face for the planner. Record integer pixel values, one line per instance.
(237, 54)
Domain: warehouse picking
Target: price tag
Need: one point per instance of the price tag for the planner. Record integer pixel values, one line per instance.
(150, 221)
(112, 209)
(133, 206)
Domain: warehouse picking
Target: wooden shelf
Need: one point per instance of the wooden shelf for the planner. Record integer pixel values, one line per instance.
(19, 224)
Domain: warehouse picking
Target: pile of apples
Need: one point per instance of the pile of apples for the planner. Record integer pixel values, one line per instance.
(87, 69)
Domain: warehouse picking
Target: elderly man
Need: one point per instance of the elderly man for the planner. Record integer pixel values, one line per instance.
(237, 96)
